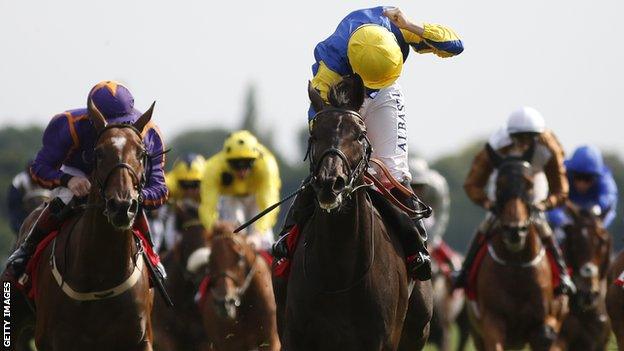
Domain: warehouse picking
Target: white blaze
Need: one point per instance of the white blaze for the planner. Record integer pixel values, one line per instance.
(119, 142)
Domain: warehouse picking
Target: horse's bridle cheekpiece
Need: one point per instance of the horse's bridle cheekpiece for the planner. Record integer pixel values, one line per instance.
(354, 173)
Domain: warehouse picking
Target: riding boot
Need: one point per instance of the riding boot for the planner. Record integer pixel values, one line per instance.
(418, 259)
(460, 278)
(49, 220)
(143, 226)
(300, 210)
(566, 286)
(415, 245)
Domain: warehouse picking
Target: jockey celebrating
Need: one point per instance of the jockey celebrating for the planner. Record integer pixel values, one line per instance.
(432, 188)
(24, 196)
(592, 187)
(184, 186)
(239, 181)
(525, 130)
(65, 162)
(374, 43)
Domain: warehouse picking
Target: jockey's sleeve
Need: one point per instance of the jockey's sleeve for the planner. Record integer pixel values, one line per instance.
(155, 192)
(478, 177)
(210, 190)
(558, 186)
(324, 78)
(58, 141)
(607, 193)
(437, 39)
(172, 185)
(268, 190)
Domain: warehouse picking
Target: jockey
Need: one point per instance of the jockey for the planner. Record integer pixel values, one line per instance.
(592, 187)
(374, 43)
(432, 188)
(525, 130)
(64, 165)
(239, 181)
(184, 186)
(22, 192)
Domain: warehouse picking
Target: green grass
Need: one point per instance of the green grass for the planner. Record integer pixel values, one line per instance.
(470, 347)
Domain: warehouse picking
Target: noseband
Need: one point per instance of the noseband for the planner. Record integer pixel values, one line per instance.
(354, 173)
(139, 181)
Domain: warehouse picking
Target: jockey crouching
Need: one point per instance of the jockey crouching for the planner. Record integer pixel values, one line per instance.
(592, 188)
(184, 188)
(525, 130)
(66, 159)
(374, 43)
(238, 182)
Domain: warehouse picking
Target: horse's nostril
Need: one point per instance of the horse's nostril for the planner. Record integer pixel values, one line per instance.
(134, 206)
(339, 184)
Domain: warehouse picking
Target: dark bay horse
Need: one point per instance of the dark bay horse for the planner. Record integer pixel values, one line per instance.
(587, 249)
(615, 299)
(181, 328)
(238, 307)
(515, 299)
(348, 287)
(95, 294)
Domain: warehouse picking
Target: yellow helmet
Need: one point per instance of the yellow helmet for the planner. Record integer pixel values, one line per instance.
(189, 168)
(241, 144)
(375, 55)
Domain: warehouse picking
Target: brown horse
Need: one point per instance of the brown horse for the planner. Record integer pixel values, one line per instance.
(348, 287)
(93, 291)
(587, 248)
(181, 328)
(515, 299)
(238, 306)
(615, 299)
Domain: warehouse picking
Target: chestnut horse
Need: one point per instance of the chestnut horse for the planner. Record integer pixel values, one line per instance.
(615, 299)
(515, 298)
(587, 249)
(348, 284)
(181, 328)
(93, 291)
(238, 306)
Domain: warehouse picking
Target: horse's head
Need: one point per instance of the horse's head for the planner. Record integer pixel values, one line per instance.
(587, 248)
(514, 197)
(120, 166)
(231, 267)
(338, 148)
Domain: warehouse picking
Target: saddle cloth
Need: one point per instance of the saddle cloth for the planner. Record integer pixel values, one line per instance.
(28, 282)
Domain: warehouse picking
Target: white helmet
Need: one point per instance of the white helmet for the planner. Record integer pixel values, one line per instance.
(419, 168)
(525, 120)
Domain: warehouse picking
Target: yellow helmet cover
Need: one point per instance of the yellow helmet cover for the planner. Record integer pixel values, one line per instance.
(241, 144)
(375, 55)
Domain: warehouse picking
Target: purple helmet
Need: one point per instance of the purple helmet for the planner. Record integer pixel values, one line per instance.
(114, 101)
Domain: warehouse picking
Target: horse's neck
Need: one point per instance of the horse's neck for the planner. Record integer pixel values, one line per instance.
(99, 246)
(341, 241)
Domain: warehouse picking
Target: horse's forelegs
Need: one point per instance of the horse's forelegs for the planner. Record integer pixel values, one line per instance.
(493, 334)
(544, 338)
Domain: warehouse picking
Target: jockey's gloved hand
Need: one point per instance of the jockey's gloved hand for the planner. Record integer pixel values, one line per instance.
(79, 186)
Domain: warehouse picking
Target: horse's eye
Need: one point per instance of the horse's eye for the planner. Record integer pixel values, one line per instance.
(99, 154)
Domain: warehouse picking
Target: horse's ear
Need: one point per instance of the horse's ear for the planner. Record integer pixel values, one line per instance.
(144, 119)
(349, 93)
(315, 98)
(96, 117)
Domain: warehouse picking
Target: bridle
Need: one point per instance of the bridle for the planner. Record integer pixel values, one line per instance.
(353, 173)
(138, 180)
(242, 288)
